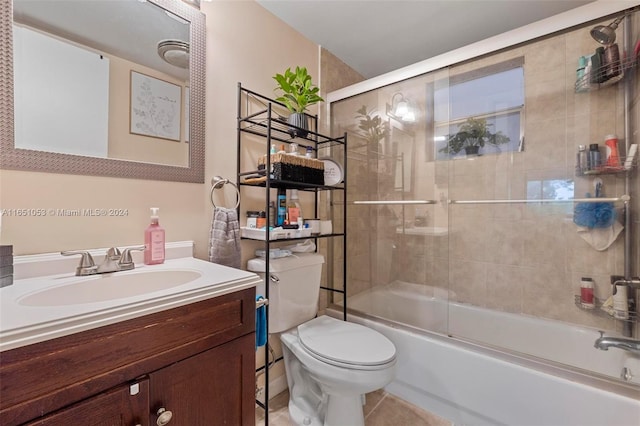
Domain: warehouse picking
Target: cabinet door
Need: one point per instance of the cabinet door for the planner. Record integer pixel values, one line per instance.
(213, 388)
(125, 405)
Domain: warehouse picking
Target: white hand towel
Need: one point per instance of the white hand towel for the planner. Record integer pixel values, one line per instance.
(600, 238)
(224, 238)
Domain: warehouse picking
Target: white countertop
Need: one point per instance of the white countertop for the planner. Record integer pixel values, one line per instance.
(22, 325)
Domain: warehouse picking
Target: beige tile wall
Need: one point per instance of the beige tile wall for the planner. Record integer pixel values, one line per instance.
(516, 258)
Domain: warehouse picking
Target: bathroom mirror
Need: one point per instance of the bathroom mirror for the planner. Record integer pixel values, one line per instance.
(130, 75)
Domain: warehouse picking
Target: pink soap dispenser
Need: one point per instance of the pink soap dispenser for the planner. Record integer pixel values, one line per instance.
(154, 240)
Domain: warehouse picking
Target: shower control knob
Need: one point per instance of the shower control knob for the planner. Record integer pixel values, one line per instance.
(626, 374)
(164, 416)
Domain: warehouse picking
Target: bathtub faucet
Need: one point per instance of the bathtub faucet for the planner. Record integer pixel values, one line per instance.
(633, 282)
(605, 342)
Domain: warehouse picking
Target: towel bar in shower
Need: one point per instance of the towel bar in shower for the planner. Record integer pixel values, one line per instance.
(391, 202)
(262, 302)
(623, 198)
(219, 182)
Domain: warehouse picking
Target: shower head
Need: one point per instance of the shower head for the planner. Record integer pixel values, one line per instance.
(606, 34)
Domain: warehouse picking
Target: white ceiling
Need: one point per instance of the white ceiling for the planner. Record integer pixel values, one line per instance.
(378, 36)
(129, 29)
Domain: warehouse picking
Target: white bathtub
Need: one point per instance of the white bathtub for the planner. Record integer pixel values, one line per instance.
(471, 384)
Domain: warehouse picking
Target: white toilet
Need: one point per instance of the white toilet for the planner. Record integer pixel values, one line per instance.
(330, 364)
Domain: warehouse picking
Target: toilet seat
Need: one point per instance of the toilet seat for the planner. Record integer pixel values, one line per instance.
(346, 344)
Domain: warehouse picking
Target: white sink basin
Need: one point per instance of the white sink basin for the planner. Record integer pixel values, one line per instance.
(101, 288)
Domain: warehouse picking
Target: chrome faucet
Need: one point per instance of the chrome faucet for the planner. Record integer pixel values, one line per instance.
(114, 261)
(605, 342)
(633, 282)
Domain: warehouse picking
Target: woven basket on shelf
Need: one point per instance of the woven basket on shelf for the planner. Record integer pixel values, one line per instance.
(294, 168)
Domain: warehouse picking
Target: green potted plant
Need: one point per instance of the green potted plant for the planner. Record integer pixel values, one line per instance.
(473, 135)
(298, 93)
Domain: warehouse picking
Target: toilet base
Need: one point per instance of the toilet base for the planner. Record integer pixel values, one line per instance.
(321, 394)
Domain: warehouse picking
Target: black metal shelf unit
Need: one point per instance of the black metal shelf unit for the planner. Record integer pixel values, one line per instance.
(263, 117)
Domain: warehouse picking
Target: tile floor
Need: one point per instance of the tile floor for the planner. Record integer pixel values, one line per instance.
(381, 409)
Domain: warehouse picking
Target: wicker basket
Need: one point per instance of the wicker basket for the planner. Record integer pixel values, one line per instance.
(294, 168)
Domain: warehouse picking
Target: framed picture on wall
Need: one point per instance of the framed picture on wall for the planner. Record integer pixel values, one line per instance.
(155, 107)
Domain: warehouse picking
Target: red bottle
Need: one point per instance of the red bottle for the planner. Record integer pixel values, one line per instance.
(586, 293)
(613, 157)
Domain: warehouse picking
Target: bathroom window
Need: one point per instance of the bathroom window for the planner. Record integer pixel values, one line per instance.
(489, 99)
(550, 189)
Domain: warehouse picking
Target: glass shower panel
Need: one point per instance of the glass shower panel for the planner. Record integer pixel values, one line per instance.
(480, 244)
(516, 256)
(397, 248)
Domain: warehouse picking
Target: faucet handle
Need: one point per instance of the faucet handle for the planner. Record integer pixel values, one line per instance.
(87, 266)
(114, 253)
(126, 262)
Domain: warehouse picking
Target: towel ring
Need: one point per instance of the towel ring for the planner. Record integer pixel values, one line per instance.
(219, 182)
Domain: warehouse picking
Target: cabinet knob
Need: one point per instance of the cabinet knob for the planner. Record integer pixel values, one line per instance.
(164, 416)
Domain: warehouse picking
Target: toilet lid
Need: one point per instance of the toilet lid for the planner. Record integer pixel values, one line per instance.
(341, 342)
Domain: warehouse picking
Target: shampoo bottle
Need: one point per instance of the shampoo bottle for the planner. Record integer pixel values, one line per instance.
(281, 206)
(154, 240)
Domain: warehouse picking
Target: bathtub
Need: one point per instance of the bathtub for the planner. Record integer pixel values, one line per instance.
(474, 384)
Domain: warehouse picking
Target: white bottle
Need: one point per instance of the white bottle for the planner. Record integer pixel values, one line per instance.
(620, 303)
(630, 156)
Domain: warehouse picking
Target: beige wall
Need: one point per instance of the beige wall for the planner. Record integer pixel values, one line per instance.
(245, 43)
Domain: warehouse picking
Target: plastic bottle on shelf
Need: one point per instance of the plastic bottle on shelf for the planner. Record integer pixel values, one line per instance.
(282, 206)
(628, 163)
(587, 300)
(581, 160)
(294, 210)
(612, 60)
(613, 156)
(272, 214)
(309, 153)
(598, 72)
(594, 157)
(293, 148)
(586, 80)
(620, 302)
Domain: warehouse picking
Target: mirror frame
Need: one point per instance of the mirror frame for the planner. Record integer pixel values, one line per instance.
(12, 158)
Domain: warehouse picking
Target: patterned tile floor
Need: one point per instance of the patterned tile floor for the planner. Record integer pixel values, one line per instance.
(381, 409)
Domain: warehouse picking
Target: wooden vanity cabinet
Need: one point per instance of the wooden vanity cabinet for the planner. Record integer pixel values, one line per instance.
(126, 405)
(197, 361)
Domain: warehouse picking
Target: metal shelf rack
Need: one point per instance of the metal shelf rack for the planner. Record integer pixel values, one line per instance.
(261, 117)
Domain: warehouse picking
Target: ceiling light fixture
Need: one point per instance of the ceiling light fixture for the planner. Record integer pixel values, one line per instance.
(174, 52)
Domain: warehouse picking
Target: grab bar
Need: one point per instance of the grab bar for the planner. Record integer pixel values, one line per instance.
(624, 198)
(384, 202)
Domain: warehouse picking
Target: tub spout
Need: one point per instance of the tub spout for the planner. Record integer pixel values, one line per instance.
(605, 342)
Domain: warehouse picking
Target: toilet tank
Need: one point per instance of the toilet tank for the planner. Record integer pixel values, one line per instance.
(294, 288)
